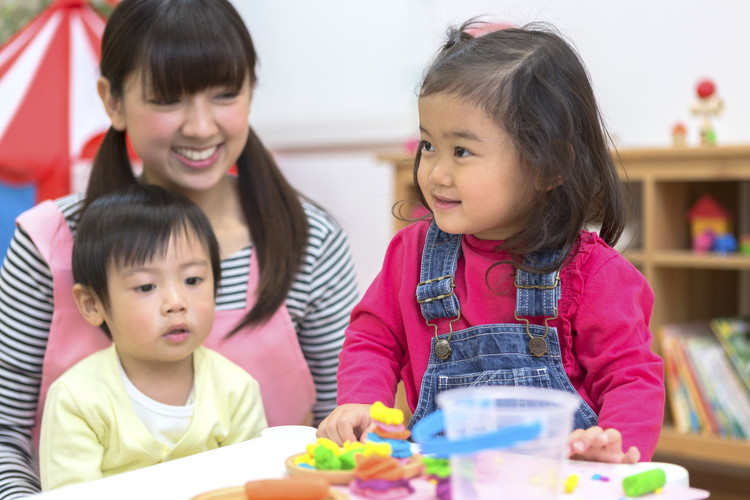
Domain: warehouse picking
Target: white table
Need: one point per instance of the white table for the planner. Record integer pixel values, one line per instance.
(261, 458)
(184, 478)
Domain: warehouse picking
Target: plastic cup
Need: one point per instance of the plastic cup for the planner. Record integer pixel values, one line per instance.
(531, 469)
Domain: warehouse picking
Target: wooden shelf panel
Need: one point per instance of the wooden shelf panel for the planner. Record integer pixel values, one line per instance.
(692, 260)
(636, 257)
(704, 448)
(665, 155)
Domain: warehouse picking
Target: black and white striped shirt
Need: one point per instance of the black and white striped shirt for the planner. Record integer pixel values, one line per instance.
(319, 302)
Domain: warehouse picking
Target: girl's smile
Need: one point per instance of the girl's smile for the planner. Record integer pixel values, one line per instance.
(442, 203)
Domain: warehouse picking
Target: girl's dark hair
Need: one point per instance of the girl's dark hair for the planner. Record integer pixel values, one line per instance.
(535, 87)
(132, 225)
(182, 47)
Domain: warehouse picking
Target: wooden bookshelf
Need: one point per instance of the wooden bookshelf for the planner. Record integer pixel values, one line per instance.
(723, 452)
(690, 286)
(663, 184)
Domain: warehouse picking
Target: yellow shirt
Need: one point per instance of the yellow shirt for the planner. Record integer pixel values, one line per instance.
(90, 429)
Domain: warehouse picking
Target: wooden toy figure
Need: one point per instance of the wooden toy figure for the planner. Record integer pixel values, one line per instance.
(707, 105)
(679, 135)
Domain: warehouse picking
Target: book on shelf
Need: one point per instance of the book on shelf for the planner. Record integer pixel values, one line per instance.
(705, 391)
(734, 336)
(684, 413)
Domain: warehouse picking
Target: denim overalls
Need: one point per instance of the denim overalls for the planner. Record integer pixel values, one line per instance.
(499, 354)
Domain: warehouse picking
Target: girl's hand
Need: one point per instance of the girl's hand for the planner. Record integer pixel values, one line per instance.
(349, 422)
(598, 445)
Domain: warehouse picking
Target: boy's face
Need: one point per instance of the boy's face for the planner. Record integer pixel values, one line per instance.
(162, 311)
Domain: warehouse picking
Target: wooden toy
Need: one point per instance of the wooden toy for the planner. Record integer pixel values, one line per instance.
(745, 244)
(708, 221)
(679, 135)
(707, 105)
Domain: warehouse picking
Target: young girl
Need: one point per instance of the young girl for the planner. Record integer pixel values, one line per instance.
(155, 394)
(176, 79)
(501, 285)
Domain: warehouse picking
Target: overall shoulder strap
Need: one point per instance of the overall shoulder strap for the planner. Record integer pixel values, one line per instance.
(537, 294)
(435, 290)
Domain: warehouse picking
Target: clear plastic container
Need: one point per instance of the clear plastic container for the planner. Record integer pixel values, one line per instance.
(528, 469)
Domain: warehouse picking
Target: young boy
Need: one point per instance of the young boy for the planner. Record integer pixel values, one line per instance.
(146, 267)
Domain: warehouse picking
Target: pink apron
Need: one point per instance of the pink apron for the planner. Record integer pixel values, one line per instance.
(271, 352)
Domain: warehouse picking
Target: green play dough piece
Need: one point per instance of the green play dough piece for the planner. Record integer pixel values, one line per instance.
(438, 467)
(347, 459)
(644, 482)
(325, 459)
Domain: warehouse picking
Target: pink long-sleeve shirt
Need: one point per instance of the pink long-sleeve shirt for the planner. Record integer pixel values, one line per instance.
(602, 325)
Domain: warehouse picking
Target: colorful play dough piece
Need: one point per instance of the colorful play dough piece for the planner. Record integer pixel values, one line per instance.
(388, 416)
(399, 448)
(347, 458)
(377, 448)
(326, 459)
(294, 488)
(436, 467)
(380, 477)
(571, 483)
(644, 482)
(378, 467)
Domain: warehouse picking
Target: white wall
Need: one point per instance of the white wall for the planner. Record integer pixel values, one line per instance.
(339, 77)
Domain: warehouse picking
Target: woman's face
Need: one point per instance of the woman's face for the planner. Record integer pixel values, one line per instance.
(187, 144)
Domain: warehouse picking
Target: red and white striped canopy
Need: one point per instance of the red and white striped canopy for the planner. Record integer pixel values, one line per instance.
(49, 107)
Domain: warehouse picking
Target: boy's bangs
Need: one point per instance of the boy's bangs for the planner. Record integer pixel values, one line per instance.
(193, 59)
(147, 241)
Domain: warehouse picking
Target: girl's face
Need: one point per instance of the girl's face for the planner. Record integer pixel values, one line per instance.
(161, 311)
(187, 144)
(470, 172)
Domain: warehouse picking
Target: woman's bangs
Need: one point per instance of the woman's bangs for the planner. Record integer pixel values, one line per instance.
(186, 65)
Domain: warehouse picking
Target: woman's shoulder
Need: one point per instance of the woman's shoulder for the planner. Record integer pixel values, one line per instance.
(68, 206)
(322, 225)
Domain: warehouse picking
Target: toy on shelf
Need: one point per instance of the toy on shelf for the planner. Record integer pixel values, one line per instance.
(707, 105)
(710, 226)
(679, 135)
(745, 244)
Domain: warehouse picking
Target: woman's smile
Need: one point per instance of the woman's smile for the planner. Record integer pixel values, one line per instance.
(198, 158)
